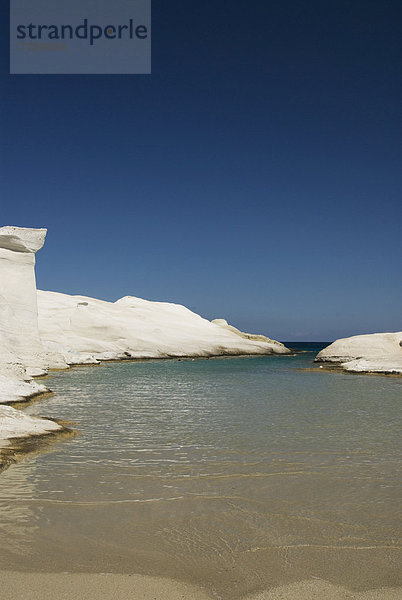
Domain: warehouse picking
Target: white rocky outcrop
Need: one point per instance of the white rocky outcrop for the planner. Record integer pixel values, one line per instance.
(16, 389)
(16, 424)
(248, 336)
(370, 353)
(389, 366)
(19, 334)
(87, 330)
(22, 354)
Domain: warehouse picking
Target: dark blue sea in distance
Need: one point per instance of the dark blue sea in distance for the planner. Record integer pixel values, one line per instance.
(307, 346)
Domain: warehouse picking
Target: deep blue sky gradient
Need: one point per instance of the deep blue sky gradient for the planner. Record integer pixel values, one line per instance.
(255, 175)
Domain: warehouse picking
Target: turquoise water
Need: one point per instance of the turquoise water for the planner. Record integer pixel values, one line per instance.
(233, 473)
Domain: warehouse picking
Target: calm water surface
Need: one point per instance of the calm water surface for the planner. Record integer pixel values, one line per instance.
(236, 474)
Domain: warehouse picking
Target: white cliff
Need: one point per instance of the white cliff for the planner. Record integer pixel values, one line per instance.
(86, 330)
(371, 353)
(22, 354)
(19, 334)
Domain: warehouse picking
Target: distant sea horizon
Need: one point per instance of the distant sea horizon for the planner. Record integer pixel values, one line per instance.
(307, 346)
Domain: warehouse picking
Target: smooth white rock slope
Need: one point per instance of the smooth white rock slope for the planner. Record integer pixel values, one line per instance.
(371, 353)
(86, 330)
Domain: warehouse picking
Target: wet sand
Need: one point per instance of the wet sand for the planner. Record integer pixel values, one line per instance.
(16, 449)
(66, 586)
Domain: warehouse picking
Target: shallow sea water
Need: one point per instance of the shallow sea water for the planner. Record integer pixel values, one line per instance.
(236, 474)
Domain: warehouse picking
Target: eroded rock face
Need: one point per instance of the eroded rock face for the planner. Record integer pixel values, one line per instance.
(87, 330)
(21, 350)
(22, 239)
(281, 348)
(370, 353)
(19, 335)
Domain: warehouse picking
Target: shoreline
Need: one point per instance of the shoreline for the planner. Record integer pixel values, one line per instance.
(19, 447)
(332, 367)
(340, 367)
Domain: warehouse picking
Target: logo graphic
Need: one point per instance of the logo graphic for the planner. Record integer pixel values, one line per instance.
(80, 36)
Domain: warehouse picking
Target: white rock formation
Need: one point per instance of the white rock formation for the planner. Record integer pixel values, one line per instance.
(19, 334)
(248, 336)
(15, 389)
(21, 352)
(389, 366)
(14, 423)
(87, 330)
(371, 353)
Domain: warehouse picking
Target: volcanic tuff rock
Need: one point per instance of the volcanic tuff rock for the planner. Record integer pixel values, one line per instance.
(371, 353)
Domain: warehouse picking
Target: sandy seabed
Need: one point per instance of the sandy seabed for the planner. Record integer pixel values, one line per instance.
(65, 586)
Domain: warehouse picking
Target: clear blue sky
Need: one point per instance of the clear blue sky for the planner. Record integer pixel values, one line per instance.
(255, 175)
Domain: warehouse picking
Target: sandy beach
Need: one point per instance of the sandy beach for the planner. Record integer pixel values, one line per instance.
(107, 586)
